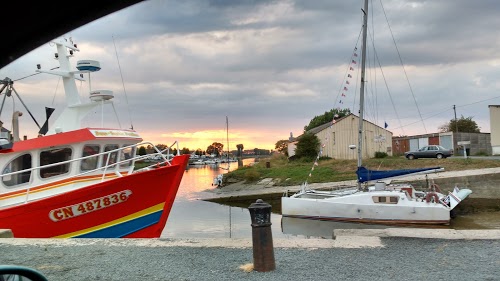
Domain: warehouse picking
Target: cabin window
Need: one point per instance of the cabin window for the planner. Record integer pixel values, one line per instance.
(385, 199)
(113, 156)
(22, 162)
(126, 153)
(55, 156)
(90, 163)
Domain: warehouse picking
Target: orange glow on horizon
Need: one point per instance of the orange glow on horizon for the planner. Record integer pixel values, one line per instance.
(203, 138)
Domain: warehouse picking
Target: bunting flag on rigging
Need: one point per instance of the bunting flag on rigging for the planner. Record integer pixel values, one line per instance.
(347, 82)
(345, 89)
(350, 68)
(385, 125)
(349, 75)
(353, 61)
(355, 54)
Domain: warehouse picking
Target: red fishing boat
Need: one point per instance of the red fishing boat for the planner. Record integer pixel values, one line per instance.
(74, 181)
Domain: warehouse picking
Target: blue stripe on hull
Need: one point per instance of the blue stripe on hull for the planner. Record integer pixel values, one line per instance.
(125, 228)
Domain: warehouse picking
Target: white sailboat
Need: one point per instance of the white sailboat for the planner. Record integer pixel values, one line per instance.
(379, 202)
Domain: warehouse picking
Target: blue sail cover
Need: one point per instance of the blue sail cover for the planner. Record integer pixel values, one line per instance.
(365, 175)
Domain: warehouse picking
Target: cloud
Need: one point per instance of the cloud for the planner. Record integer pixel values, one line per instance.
(271, 66)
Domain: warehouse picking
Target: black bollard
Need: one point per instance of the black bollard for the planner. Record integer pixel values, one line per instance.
(262, 236)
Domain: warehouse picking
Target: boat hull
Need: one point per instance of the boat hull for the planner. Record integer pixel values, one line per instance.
(132, 206)
(332, 209)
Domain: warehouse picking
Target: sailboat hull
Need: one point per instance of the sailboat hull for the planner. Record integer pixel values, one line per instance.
(362, 208)
(132, 206)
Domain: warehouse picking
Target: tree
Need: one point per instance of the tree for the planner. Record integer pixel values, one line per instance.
(328, 116)
(307, 146)
(282, 146)
(199, 152)
(215, 148)
(240, 150)
(464, 125)
(185, 150)
(142, 150)
(161, 147)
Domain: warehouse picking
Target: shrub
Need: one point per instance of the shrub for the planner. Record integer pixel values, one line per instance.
(482, 153)
(380, 154)
(251, 175)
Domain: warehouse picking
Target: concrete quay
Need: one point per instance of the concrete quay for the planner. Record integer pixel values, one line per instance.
(374, 254)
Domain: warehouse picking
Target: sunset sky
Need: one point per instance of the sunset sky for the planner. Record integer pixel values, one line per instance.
(271, 66)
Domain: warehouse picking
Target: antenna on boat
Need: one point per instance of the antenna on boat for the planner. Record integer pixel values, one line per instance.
(123, 84)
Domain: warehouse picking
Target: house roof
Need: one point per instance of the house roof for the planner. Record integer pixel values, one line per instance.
(326, 125)
(320, 128)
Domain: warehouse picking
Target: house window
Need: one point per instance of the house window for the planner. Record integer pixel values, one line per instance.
(55, 156)
(90, 163)
(20, 163)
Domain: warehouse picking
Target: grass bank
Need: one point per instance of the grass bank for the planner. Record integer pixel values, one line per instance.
(330, 170)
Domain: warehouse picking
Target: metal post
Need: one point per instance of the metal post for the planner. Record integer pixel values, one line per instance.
(262, 236)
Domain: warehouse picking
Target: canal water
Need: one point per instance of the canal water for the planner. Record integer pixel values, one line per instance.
(191, 217)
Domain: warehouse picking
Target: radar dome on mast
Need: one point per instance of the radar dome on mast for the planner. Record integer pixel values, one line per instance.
(101, 95)
(88, 65)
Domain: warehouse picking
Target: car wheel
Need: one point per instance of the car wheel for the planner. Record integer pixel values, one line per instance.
(439, 156)
(410, 157)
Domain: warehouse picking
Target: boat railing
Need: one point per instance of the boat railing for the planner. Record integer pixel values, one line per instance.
(107, 166)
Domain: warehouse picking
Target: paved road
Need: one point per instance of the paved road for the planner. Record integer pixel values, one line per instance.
(350, 256)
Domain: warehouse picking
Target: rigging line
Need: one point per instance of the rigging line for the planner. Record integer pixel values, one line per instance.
(373, 85)
(402, 65)
(444, 111)
(123, 83)
(409, 124)
(478, 102)
(55, 92)
(33, 74)
(389, 92)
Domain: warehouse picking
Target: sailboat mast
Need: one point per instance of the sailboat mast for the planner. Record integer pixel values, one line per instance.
(227, 140)
(362, 90)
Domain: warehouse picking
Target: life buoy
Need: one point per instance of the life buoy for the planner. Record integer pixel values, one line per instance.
(431, 197)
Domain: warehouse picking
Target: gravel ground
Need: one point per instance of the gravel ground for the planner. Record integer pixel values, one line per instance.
(395, 258)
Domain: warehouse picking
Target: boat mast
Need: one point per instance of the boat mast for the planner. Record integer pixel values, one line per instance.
(227, 140)
(362, 90)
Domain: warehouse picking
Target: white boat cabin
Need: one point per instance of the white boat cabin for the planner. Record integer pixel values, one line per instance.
(69, 160)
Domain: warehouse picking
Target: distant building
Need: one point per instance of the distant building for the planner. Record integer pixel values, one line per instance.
(340, 139)
(495, 129)
(479, 142)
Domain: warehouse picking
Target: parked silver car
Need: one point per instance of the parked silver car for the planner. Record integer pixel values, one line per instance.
(429, 151)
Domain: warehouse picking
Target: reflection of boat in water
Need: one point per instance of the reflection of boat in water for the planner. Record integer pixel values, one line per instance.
(74, 181)
(318, 228)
